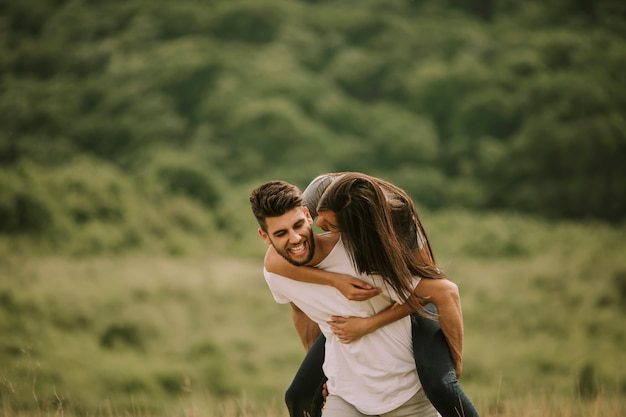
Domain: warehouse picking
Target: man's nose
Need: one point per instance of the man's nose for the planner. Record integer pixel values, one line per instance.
(294, 236)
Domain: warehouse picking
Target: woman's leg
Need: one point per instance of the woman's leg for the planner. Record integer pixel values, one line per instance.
(436, 368)
(304, 395)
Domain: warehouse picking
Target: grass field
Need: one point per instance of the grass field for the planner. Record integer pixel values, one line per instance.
(146, 335)
(525, 406)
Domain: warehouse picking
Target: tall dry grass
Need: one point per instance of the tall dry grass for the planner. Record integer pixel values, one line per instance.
(526, 406)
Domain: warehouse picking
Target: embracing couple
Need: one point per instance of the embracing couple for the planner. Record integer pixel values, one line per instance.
(381, 323)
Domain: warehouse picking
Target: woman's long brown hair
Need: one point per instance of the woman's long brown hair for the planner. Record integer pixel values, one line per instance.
(381, 231)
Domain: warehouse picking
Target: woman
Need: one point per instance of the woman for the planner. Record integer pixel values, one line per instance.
(382, 231)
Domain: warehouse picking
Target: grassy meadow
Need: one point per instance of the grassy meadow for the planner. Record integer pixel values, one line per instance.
(145, 334)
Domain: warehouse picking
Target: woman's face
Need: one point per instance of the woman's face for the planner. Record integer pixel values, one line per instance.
(327, 221)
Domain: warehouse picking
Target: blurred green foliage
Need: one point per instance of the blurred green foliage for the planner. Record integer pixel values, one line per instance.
(109, 110)
(141, 126)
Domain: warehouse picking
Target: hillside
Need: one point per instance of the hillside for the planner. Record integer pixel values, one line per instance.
(130, 125)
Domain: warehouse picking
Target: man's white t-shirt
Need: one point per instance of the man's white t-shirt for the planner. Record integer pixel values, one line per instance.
(375, 373)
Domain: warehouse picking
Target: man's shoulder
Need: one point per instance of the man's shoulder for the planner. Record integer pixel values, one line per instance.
(327, 241)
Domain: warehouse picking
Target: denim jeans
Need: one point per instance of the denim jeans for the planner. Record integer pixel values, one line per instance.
(433, 363)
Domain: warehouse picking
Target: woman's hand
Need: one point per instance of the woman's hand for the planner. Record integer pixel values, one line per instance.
(349, 329)
(354, 289)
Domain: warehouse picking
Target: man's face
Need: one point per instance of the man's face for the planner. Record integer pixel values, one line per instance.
(291, 235)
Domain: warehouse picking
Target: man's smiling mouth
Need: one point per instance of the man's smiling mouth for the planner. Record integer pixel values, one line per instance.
(298, 249)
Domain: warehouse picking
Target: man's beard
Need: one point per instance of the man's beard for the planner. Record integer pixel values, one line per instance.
(311, 246)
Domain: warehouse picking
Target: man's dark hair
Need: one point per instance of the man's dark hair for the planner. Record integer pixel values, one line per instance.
(273, 199)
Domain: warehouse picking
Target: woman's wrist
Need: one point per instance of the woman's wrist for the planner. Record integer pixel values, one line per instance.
(371, 324)
(332, 279)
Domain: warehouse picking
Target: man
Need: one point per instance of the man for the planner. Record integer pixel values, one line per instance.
(373, 375)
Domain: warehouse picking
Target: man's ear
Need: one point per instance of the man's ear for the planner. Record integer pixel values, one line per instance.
(307, 214)
(264, 236)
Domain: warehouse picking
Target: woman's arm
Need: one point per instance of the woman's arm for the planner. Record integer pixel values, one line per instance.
(352, 288)
(444, 294)
(349, 329)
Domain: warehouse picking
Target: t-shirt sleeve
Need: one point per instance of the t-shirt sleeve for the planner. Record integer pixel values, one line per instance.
(273, 283)
(389, 292)
(421, 239)
(414, 281)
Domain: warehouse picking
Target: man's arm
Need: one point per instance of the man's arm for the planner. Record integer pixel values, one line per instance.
(444, 294)
(352, 288)
(307, 329)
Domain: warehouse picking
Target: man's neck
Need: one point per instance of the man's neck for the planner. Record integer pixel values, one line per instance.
(324, 244)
